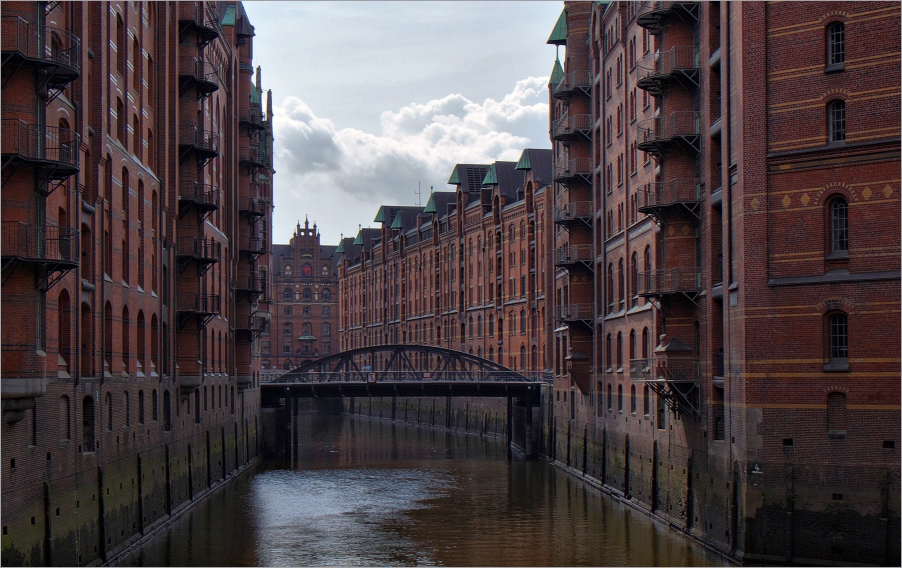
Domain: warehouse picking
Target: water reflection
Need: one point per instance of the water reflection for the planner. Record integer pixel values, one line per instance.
(369, 492)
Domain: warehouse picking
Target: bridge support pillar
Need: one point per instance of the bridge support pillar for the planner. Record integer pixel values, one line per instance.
(510, 426)
(527, 439)
(294, 428)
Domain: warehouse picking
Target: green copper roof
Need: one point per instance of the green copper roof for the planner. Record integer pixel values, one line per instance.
(523, 164)
(341, 247)
(359, 240)
(454, 179)
(559, 33)
(430, 205)
(491, 178)
(557, 73)
(306, 338)
(396, 224)
(380, 216)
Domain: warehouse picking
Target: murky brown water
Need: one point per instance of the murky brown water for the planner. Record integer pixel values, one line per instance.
(369, 492)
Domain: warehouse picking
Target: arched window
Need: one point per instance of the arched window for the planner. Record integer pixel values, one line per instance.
(491, 353)
(126, 341)
(326, 294)
(634, 279)
(836, 45)
(306, 328)
(610, 398)
(836, 415)
(610, 291)
(522, 322)
(619, 354)
(64, 314)
(619, 398)
(646, 345)
(141, 347)
(632, 347)
(153, 405)
(167, 411)
(286, 294)
(609, 353)
(621, 283)
(287, 365)
(128, 409)
(836, 120)
(837, 342)
(646, 400)
(479, 326)
(306, 294)
(633, 399)
(470, 323)
(491, 325)
(839, 225)
(523, 357)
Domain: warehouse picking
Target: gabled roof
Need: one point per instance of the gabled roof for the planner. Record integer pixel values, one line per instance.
(538, 161)
(406, 219)
(559, 33)
(439, 201)
(468, 177)
(508, 179)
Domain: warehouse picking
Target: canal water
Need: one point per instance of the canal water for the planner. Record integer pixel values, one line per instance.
(369, 492)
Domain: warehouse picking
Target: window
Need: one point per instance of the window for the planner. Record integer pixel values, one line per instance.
(836, 415)
(836, 121)
(326, 294)
(306, 294)
(88, 424)
(619, 398)
(286, 310)
(838, 342)
(836, 46)
(839, 226)
(633, 399)
(286, 294)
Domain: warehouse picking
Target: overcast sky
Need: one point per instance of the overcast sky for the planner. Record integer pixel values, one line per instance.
(373, 97)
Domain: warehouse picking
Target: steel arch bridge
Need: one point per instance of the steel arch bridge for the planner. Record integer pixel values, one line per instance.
(412, 369)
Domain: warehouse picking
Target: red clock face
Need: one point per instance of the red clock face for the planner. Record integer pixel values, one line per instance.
(307, 270)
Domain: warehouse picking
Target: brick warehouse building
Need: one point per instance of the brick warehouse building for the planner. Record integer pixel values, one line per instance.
(137, 206)
(733, 363)
(464, 272)
(304, 321)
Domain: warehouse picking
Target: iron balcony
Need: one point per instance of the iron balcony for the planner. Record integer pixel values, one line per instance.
(568, 127)
(579, 81)
(252, 206)
(200, 73)
(568, 170)
(659, 133)
(40, 243)
(659, 195)
(573, 212)
(574, 312)
(252, 155)
(203, 250)
(50, 147)
(201, 195)
(54, 50)
(670, 281)
(654, 14)
(195, 16)
(252, 117)
(202, 142)
(679, 63)
(573, 255)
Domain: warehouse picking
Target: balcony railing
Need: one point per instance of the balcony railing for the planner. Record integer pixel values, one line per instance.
(197, 16)
(252, 155)
(48, 145)
(204, 142)
(574, 254)
(249, 283)
(656, 69)
(654, 196)
(670, 281)
(40, 243)
(56, 50)
(569, 126)
(252, 206)
(252, 245)
(203, 195)
(195, 303)
(566, 170)
(574, 312)
(252, 116)
(204, 74)
(656, 133)
(204, 250)
(572, 82)
(577, 210)
(653, 15)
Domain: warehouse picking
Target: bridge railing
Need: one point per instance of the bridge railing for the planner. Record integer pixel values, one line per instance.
(408, 377)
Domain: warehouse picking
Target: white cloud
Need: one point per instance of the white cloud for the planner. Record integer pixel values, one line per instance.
(341, 176)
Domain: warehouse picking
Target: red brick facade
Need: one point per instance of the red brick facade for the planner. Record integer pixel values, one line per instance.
(465, 272)
(304, 321)
(136, 219)
(743, 362)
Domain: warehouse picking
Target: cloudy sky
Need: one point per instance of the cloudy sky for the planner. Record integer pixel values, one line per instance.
(373, 98)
